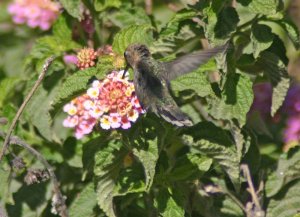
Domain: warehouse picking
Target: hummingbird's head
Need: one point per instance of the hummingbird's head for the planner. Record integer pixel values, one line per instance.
(135, 53)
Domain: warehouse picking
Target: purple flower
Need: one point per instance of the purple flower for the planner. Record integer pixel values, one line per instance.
(291, 105)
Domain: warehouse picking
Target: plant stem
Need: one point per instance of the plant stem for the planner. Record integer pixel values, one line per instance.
(148, 6)
(251, 188)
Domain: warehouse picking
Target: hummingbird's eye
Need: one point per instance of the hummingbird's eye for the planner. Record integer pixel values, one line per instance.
(125, 54)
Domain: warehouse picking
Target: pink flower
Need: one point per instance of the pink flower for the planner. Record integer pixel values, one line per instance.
(35, 13)
(70, 59)
(79, 116)
(291, 134)
(111, 102)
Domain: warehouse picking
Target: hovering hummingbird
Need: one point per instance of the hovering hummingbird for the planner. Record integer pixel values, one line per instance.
(152, 79)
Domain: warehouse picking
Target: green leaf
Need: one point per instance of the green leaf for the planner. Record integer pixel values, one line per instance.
(4, 179)
(173, 25)
(37, 111)
(287, 171)
(175, 33)
(108, 163)
(226, 157)
(84, 203)
(174, 43)
(61, 30)
(196, 81)
(227, 22)
(262, 38)
(266, 7)
(286, 203)
(292, 31)
(101, 5)
(73, 8)
(276, 70)
(189, 167)
(230, 209)
(128, 16)
(7, 86)
(133, 34)
(167, 204)
(113, 178)
(147, 154)
(236, 100)
(219, 26)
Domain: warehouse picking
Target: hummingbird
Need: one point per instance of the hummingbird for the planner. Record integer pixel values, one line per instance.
(152, 79)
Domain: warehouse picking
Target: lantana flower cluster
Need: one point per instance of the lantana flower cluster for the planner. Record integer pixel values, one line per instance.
(110, 103)
(86, 58)
(35, 13)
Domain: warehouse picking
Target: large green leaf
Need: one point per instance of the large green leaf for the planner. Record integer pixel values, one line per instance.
(236, 100)
(276, 70)
(287, 171)
(189, 167)
(266, 7)
(175, 32)
(147, 153)
(219, 26)
(167, 204)
(173, 25)
(6, 88)
(262, 38)
(133, 34)
(292, 31)
(84, 203)
(113, 178)
(286, 203)
(108, 164)
(226, 157)
(230, 209)
(37, 111)
(4, 178)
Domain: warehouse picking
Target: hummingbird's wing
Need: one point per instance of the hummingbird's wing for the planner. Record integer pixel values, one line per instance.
(169, 110)
(174, 115)
(190, 62)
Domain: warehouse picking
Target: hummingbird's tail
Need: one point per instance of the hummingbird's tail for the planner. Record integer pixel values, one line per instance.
(174, 116)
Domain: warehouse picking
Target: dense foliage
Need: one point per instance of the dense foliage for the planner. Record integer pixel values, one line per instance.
(241, 157)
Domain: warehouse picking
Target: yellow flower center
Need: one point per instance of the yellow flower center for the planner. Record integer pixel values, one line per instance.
(115, 94)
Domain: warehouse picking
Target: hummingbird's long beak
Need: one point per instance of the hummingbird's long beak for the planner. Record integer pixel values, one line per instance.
(126, 69)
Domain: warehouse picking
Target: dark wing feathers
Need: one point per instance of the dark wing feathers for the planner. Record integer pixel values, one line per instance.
(190, 62)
